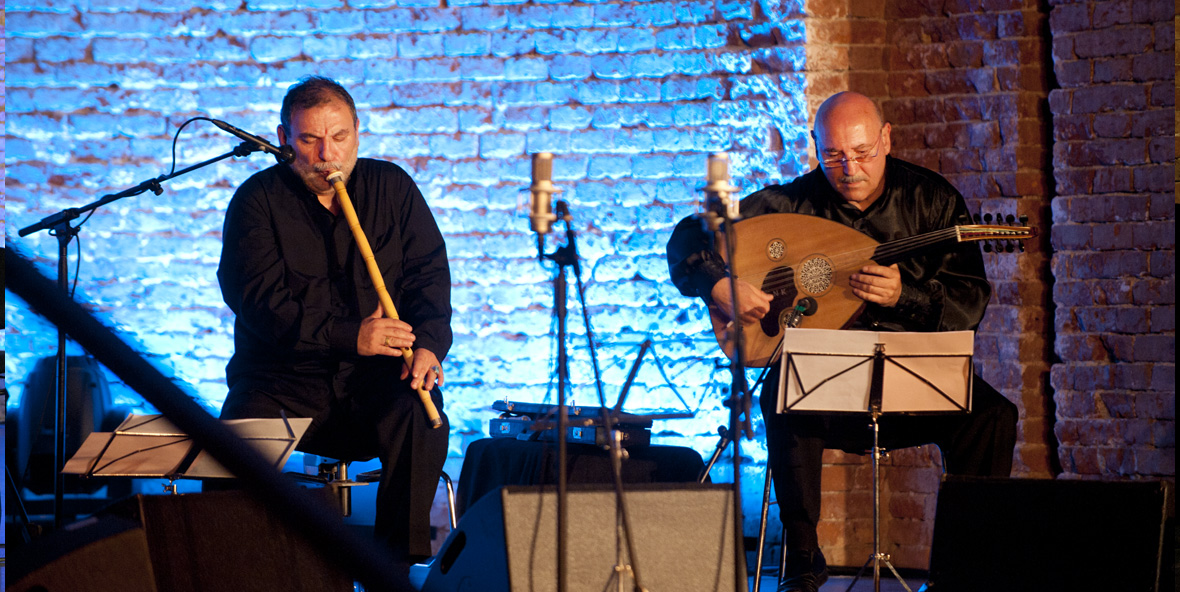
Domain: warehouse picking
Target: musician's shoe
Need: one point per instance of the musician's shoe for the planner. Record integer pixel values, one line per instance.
(805, 571)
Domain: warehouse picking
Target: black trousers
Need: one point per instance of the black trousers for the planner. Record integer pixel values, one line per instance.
(366, 413)
(979, 443)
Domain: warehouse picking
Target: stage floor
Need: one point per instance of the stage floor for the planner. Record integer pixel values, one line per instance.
(840, 584)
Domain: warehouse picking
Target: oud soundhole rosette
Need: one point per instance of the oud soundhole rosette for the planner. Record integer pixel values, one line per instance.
(776, 250)
(815, 275)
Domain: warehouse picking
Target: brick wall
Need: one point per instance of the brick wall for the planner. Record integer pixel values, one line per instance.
(1114, 239)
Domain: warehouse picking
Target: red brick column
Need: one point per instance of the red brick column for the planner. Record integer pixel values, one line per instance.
(1114, 239)
(965, 86)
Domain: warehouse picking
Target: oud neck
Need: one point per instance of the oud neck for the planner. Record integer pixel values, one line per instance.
(901, 249)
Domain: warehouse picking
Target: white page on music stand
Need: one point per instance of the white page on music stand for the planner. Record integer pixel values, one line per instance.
(941, 359)
(151, 446)
(148, 425)
(128, 455)
(818, 377)
(270, 437)
(831, 371)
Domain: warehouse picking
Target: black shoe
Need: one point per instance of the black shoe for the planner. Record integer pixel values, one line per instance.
(805, 571)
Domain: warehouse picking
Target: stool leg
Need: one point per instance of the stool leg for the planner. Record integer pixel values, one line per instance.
(762, 530)
(344, 492)
(782, 556)
(450, 498)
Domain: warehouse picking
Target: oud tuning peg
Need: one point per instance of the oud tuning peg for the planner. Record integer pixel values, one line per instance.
(987, 218)
(1009, 219)
(1009, 247)
(1020, 246)
(976, 218)
(987, 246)
(1023, 220)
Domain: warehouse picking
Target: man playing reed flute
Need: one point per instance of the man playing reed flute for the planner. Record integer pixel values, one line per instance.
(311, 339)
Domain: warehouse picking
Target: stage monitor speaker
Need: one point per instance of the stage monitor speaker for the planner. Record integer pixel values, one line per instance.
(106, 554)
(89, 408)
(683, 537)
(225, 540)
(1043, 534)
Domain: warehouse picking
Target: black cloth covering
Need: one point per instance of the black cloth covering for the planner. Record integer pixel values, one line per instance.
(491, 463)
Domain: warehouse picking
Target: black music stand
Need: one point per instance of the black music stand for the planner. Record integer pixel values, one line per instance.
(151, 446)
(827, 371)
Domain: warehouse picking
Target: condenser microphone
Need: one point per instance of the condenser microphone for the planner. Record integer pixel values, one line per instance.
(541, 216)
(283, 155)
(719, 201)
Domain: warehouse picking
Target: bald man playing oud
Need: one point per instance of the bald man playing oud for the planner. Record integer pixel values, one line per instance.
(860, 186)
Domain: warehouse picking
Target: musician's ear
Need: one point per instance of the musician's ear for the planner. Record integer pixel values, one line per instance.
(886, 142)
(282, 134)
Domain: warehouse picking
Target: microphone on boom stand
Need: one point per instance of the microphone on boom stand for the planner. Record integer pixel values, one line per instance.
(541, 219)
(719, 212)
(282, 154)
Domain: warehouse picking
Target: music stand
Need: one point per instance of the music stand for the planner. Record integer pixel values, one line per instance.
(151, 446)
(837, 371)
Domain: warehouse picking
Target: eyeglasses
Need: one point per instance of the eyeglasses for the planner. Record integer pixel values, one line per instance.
(861, 157)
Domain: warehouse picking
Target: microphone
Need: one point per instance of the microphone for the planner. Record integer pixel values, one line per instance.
(717, 192)
(804, 308)
(541, 216)
(283, 155)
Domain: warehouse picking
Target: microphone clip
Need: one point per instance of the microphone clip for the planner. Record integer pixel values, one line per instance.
(804, 308)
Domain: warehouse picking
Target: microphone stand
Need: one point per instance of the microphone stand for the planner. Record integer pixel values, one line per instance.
(720, 213)
(567, 256)
(622, 521)
(563, 256)
(58, 225)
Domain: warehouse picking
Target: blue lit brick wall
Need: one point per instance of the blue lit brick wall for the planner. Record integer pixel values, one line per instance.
(631, 96)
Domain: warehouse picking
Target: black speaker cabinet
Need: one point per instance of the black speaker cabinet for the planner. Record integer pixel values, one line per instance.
(1044, 534)
(683, 537)
(225, 540)
(105, 554)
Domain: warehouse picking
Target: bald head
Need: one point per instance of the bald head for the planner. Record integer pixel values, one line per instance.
(851, 141)
(847, 107)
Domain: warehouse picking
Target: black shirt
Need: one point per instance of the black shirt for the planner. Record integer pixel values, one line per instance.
(941, 291)
(292, 272)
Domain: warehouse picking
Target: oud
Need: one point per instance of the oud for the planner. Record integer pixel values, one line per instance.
(775, 254)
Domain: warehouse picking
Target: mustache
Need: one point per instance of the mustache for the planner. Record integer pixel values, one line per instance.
(327, 167)
(854, 178)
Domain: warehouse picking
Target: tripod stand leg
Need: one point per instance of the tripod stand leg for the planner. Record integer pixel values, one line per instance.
(876, 561)
(897, 575)
(860, 573)
(762, 532)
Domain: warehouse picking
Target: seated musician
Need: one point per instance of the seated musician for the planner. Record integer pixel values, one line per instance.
(310, 337)
(859, 185)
